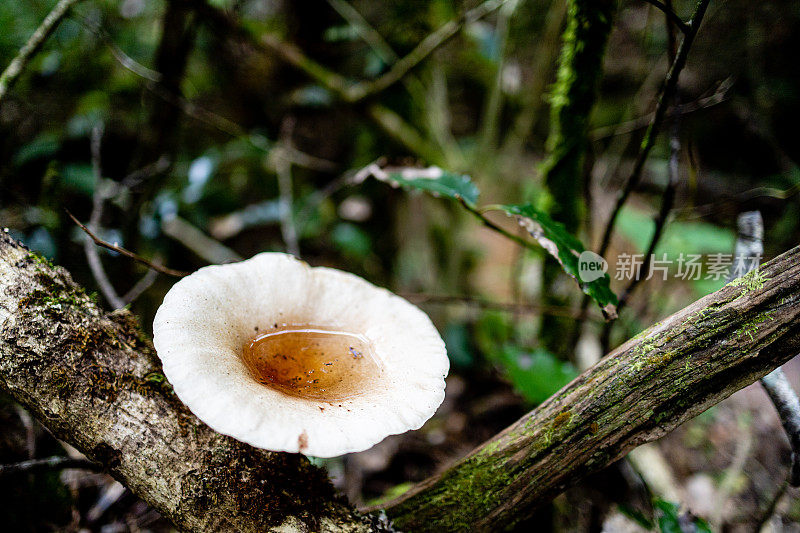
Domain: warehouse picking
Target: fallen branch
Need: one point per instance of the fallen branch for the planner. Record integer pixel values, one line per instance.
(92, 378)
(668, 374)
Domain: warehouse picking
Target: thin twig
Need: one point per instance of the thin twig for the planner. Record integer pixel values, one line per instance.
(719, 96)
(406, 134)
(343, 88)
(35, 42)
(144, 283)
(494, 102)
(283, 169)
(475, 301)
(669, 89)
(153, 84)
(127, 253)
(772, 504)
(197, 241)
(671, 15)
(667, 201)
(369, 34)
(437, 121)
(699, 211)
(142, 174)
(50, 463)
(122, 58)
(673, 173)
(424, 49)
(98, 199)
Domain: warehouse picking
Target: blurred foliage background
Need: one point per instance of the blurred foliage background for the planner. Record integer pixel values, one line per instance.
(179, 130)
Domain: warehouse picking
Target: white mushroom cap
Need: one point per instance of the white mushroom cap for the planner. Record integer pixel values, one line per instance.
(207, 318)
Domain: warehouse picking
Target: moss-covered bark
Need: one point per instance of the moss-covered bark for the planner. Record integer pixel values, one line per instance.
(93, 380)
(647, 387)
(571, 101)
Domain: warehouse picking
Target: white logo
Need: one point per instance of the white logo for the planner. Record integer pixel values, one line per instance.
(591, 266)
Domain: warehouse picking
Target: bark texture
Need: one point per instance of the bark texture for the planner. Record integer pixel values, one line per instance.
(92, 378)
(641, 391)
(572, 98)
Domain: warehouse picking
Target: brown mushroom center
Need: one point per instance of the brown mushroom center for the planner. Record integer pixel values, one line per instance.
(312, 361)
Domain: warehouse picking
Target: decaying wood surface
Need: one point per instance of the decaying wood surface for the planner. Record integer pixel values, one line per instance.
(641, 391)
(92, 378)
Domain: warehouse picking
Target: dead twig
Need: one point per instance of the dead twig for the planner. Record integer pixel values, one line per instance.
(101, 193)
(198, 242)
(144, 283)
(671, 15)
(50, 463)
(475, 301)
(668, 91)
(98, 199)
(719, 96)
(127, 253)
(283, 169)
(667, 201)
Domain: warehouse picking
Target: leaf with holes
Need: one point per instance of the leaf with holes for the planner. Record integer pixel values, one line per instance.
(587, 268)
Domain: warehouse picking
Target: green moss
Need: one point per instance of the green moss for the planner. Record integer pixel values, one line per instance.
(40, 260)
(391, 494)
(751, 327)
(752, 281)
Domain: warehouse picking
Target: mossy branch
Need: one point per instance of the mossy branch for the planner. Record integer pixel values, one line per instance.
(641, 391)
(572, 98)
(92, 378)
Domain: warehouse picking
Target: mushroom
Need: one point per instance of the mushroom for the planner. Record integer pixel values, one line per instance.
(288, 357)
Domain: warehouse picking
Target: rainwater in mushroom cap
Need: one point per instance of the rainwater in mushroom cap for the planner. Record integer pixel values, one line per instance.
(292, 358)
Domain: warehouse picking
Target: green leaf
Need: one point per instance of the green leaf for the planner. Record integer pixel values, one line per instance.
(535, 375)
(554, 238)
(551, 235)
(351, 240)
(435, 181)
(42, 147)
(671, 520)
(457, 340)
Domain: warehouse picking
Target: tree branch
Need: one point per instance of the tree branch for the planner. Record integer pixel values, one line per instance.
(345, 89)
(665, 99)
(26, 53)
(49, 463)
(93, 380)
(641, 391)
(671, 15)
(127, 253)
(660, 222)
